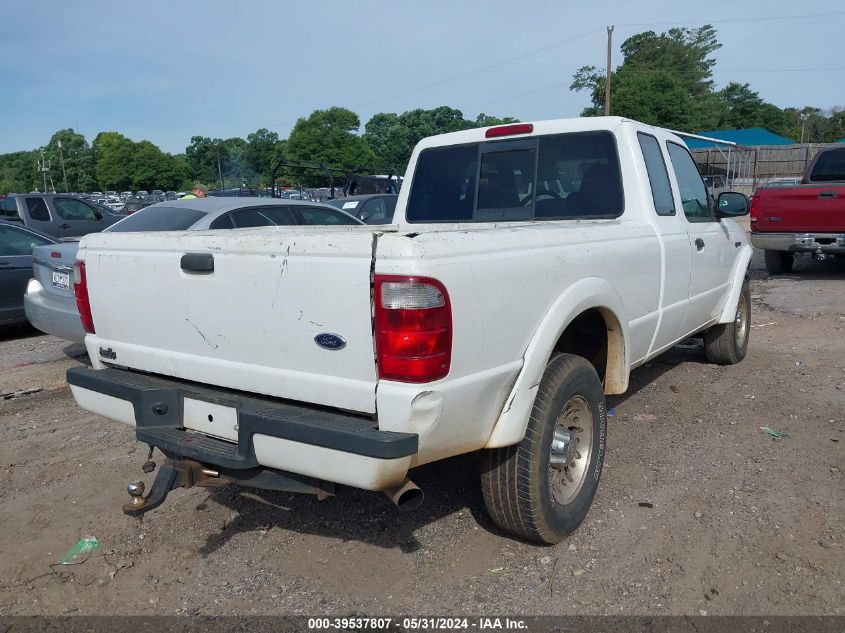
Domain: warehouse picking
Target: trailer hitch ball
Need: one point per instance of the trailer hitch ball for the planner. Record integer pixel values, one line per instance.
(136, 493)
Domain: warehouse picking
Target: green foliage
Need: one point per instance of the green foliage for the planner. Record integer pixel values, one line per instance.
(392, 137)
(262, 153)
(18, 172)
(329, 136)
(666, 79)
(113, 154)
(78, 160)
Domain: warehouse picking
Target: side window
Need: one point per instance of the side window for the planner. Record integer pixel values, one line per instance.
(578, 176)
(260, 216)
(38, 209)
(9, 208)
(694, 198)
(505, 185)
(70, 209)
(658, 177)
(323, 215)
(16, 242)
(375, 210)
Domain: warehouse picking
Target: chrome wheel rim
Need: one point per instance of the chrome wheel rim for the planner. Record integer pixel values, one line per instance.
(569, 454)
(741, 321)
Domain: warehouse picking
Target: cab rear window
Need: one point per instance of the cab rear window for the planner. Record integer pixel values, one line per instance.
(552, 177)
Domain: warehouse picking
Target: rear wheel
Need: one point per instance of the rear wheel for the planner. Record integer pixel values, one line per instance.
(542, 488)
(727, 343)
(778, 262)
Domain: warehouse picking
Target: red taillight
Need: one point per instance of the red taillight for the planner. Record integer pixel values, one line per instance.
(509, 130)
(755, 206)
(413, 328)
(80, 289)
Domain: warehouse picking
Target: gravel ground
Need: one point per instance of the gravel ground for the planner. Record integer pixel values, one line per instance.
(738, 523)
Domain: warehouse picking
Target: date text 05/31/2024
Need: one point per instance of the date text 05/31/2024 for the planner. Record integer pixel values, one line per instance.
(418, 624)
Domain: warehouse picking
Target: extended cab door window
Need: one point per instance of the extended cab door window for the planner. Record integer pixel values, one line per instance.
(658, 177)
(694, 198)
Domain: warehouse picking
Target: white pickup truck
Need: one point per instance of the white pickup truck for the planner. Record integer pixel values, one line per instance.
(529, 269)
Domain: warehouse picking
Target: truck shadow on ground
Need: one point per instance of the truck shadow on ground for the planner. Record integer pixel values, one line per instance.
(450, 486)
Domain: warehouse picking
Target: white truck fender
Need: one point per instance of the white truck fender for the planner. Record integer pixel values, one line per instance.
(740, 270)
(591, 292)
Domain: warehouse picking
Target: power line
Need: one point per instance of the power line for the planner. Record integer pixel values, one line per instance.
(581, 36)
(768, 18)
(469, 73)
(565, 83)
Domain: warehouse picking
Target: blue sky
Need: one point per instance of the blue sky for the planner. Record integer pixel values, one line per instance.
(165, 71)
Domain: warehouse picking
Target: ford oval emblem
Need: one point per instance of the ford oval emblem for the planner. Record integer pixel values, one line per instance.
(330, 341)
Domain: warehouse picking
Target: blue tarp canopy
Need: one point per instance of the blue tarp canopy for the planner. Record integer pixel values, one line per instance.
(749, 137)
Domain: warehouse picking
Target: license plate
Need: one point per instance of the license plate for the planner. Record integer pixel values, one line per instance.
(61, 280)
(211, 419)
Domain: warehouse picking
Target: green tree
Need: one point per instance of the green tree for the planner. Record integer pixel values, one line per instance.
(154, 169)
(262, 153)
(205, 157)
(113, 154)
(329, 136)
(393, 137)
(236, 168)
(78, 160)
(678, 61)
(18, 172)
(487, 120)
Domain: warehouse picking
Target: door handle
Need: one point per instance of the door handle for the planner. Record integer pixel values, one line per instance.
(699, 244)
(198, 263)
(828, 195)
(64, 226)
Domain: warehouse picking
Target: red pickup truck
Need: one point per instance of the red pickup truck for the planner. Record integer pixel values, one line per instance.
(806, 218)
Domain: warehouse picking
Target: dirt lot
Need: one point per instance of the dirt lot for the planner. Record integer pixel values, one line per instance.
(740, 524)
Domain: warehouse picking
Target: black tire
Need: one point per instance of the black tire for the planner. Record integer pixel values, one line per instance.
(727, 343)
(517, 480)
(778, 262)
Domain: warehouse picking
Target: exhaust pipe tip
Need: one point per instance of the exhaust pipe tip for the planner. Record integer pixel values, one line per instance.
(406, 496)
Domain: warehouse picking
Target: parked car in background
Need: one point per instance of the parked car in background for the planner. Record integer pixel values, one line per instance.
(124, 195)
(805, 218)
(371, 209)
(50, 303)
(59, 215)
(16, 244)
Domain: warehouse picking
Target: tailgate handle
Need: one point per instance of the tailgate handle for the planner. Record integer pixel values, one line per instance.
(827, 194)
(198, 263)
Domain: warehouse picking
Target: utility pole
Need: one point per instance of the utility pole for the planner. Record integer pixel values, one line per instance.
(219, 171)
(42, 167)
(62, 158)
(607, 74)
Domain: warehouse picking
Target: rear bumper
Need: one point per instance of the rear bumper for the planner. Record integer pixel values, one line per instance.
(52, 315)
(314, 442)
(833, 243)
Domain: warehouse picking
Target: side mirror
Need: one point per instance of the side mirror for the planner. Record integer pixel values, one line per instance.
(731, 204)
(363, 216)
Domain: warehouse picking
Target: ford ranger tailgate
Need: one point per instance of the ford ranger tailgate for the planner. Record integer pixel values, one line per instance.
(283, 312)
(818, 207)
